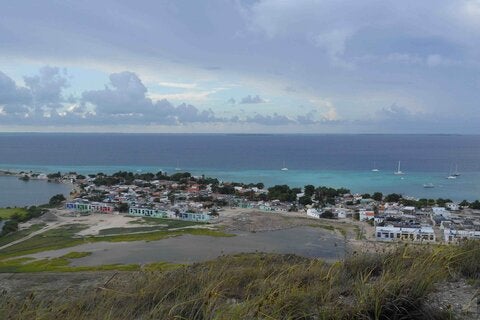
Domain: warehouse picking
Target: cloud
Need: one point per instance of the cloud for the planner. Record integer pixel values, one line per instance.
(126, 98)
(270, 120)
(180, 85)
(13, 99)
(46, 87)
(252, 100)
(231, 101)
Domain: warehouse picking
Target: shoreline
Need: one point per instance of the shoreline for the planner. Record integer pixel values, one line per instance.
(408, 185)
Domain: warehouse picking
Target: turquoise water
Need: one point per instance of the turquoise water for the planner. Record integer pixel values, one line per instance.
(330, 160)
(410, 184)
(18, 193)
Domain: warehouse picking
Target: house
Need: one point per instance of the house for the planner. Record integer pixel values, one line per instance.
(452, 206)
(409, 210)
(86, 207)
(314, 213)
(397, 233)
(451, 235)
(441, 211)
(147, 212)
(365, 215)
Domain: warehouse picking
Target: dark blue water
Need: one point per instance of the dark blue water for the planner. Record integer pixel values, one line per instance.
(337, 160)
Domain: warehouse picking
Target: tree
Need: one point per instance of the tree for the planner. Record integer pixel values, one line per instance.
(327, 214)
(366, 196)
(393, 197)
(309, 190)
(57, 175)
(305, 200)
(122, 207)
(464, 203)
(56, 199)
(377, 196)
(475, 205)
(9, 226)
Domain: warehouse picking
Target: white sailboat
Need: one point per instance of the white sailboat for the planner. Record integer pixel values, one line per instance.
(177, 168)
(451, 175)
(284, 167)
(398, 172)
(375, 169)
(456, 173)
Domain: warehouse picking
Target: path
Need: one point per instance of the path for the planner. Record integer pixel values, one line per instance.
(31, 235)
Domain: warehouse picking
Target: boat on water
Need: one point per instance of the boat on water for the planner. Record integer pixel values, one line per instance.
(375, 169)
(452, 175)
(177, 168)
(456, 173)
(399, 171)
(284, 168)
(429, 185)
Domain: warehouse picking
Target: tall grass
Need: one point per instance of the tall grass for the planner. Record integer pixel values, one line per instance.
(390, 285)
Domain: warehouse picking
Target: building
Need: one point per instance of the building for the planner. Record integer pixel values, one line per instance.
(157, 213)
(365, 215)
(451, 235)
(441, 211)
(314, 213)
(398, 233)
(87, 207)
(147, 212)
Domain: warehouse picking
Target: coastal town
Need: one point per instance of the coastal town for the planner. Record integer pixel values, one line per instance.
(185, 197)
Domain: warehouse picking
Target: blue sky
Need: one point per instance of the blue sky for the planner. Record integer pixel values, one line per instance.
(270, 66)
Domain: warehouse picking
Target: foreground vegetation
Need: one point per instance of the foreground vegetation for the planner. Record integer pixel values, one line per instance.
(389, 285)
(62, 264)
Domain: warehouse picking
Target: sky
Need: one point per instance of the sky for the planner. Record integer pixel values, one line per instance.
(232, 66)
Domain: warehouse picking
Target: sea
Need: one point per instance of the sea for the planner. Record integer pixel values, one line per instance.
(335, 160)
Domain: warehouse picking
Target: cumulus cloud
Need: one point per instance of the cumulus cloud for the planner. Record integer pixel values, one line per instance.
(125, 95)
(252, 99)
(46, 87)
(126, 98)
(270, 120)
(13, 99)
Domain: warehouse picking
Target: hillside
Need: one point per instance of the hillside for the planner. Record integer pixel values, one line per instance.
(406, 282)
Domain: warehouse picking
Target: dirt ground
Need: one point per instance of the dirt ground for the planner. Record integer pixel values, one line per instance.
(95, 222)
(55, 284)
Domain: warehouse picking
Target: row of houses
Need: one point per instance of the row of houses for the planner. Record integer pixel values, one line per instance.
(86, 207)
(156, 213)
(399, 232)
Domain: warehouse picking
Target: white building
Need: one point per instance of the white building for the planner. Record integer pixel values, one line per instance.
(314, 213)
(392, 233)
(441, 211)
(452, 206)
(451, 235)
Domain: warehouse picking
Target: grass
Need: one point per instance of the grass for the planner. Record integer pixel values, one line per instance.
(6, 213)
(60, 264)
(115, 231)
(158, 235)
(167, 223)
(10, 237)
(58, 238)
(389, 285)
(64, 237)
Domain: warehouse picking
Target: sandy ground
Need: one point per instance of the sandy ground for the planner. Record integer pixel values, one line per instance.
(95, 222)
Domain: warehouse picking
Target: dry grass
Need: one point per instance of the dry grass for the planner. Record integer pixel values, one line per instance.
(390, 285)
